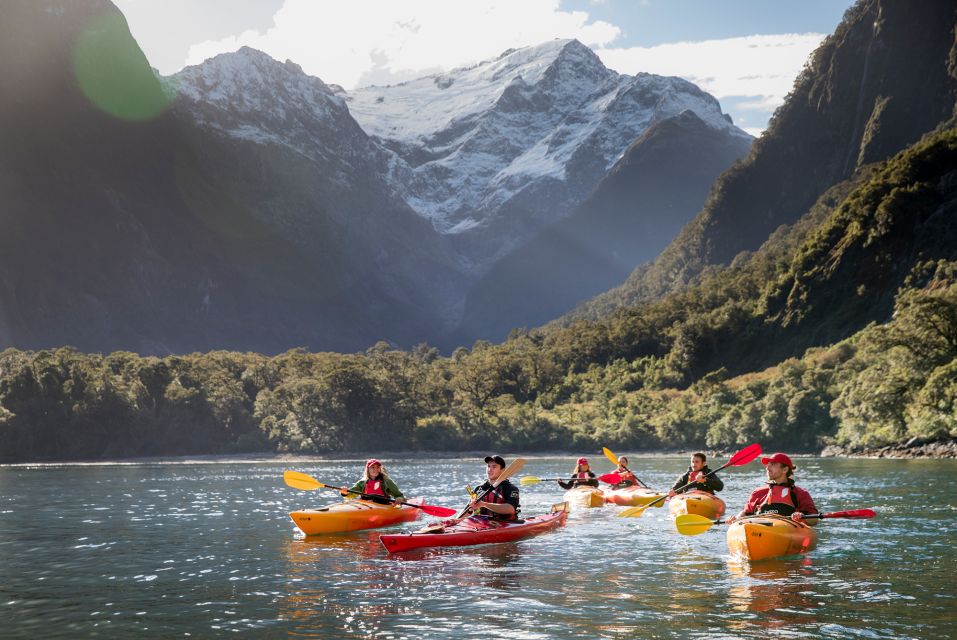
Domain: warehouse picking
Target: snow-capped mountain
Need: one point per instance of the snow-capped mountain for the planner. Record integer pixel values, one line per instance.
(505, 147)
(247, 95)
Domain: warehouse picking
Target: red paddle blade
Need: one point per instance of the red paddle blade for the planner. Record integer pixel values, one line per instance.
(441, 512)
(610, 478)
(745, 456)
(854, 513)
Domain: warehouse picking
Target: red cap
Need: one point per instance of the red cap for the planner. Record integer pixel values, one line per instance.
(583, 461)
(371, 462)
(778, 457)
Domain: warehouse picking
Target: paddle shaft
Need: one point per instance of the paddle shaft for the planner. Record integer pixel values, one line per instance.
(507, 472)
(742, 457)
(680, 489)
(856, 514)
(431, 510)
(614, 460)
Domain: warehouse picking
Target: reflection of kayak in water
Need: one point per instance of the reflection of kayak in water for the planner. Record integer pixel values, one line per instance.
(585, 497)
(631, 496)
(476, 530)
(700, 503)
(769, 536)
(353, 515)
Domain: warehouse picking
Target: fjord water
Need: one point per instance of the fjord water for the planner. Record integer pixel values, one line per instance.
(207, 550)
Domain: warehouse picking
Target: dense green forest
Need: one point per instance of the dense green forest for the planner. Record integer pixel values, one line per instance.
(842, 328)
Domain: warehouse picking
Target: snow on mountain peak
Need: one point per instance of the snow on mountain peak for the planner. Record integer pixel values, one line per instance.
(248, 95)
(476, 137)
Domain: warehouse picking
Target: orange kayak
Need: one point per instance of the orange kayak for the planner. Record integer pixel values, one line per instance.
(700, 503)
(353, 515)
(632, 496)
(769, 536)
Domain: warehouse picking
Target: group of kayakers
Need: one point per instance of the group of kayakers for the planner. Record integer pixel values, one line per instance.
(502, 501)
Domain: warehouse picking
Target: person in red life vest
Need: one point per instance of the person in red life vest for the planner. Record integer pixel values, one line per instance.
(582, 476)
(375, 482)
(781, 496)
(628, 479)
(698, 474)
(501, 502)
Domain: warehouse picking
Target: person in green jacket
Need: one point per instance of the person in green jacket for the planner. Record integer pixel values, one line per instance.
(376, 482)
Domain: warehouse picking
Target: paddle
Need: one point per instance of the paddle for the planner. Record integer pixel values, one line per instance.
(507, 472)
(305, 482)
(691, 524)
(609, 478)
(742, 457)
(614, 460)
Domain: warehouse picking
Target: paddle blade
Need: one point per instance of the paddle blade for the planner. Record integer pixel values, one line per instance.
(633, 512)
(854, 513)
(302, 481)
(441, 512)
(612, 458)
(691, 524)
(610, 478)
(745, 456)
(527, 480)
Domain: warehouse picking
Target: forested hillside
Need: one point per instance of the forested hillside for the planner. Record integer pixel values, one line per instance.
(872, 273)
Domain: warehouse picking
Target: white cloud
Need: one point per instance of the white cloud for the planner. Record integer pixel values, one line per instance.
(374, 40)
(762, 67)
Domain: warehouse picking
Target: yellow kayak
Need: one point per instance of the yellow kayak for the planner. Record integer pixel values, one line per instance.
(769, 536)
(700, 503)
(353, 515)
(632, 496)
(585, 497)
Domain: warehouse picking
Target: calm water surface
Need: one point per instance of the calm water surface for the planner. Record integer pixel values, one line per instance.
(208, 550)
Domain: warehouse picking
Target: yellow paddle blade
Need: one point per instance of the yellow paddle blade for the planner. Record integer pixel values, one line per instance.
(691, 524)
(633, 512)
(611, 456)
(302, 481)
(526, 480)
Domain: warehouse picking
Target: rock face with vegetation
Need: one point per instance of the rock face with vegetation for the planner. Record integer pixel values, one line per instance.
(887, 76)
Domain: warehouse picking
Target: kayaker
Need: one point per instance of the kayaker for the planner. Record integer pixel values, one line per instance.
(628, 479)
(502, 502)
(698, 474)
(582, 476)
(376, 482)
(781, 496)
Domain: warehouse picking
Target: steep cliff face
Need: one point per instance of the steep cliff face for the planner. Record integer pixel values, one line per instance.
(884, 78)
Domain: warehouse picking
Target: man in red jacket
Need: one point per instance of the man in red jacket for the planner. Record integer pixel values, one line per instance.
(781, 496)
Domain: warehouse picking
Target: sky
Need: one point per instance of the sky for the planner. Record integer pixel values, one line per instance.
(744, 52)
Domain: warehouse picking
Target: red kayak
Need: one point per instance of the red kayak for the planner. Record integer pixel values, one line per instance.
(475, 530)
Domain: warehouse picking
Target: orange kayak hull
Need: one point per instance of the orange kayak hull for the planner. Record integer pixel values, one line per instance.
(769, 536)
(699, 503)
(352, 515)
(632, 496)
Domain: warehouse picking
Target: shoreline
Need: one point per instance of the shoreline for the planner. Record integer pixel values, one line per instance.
(915, 448)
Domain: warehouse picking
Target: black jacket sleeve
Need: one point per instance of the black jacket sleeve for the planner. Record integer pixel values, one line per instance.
(680, 482)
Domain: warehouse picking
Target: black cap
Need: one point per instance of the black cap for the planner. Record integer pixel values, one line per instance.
(499, 459)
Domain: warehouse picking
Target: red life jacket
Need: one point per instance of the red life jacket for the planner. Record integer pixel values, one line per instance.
(495, 496)
(375, 487)
(780, 499)
(694, 475)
